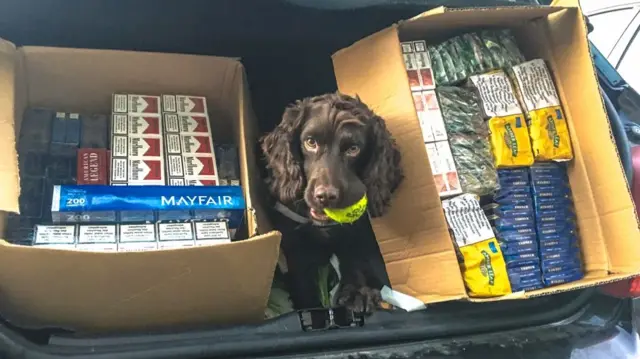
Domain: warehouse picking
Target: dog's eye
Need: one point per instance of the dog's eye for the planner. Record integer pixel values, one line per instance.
(310, 144)
(353, 151)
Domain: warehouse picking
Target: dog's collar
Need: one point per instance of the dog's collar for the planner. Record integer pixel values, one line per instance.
(287, 212)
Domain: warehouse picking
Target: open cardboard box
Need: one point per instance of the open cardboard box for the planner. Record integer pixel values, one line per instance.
(223, 284)
(413, 237)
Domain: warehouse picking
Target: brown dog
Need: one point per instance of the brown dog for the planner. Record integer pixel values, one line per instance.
(327, 152)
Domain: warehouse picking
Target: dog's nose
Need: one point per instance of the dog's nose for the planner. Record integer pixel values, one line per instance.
(326, 195)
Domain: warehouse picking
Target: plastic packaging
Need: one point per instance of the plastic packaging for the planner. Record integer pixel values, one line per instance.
(468, 138)
(474, 53)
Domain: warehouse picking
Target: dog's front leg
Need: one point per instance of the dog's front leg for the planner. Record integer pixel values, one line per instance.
(302, 278)
(356, 291)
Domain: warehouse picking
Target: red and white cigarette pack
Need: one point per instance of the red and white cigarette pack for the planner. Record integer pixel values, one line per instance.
(443, 168)
(136, 104)
(93, 166)
(189, 150)
(137, 141)
(430, 116)
(418, 65)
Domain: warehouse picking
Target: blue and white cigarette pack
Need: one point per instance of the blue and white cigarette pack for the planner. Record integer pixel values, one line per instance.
(222, 202)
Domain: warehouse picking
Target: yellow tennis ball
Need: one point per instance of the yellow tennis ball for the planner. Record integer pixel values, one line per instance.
(349, 214)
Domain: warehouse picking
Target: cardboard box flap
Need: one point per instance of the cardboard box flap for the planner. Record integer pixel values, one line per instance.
(594, 143)
(566, 3)
(415, 214)
(9, 181)
(223, 284)
(459, 19)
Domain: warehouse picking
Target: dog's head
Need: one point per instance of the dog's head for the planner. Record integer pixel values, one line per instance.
(331, 150)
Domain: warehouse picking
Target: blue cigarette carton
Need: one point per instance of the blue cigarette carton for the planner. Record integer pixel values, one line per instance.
(227, 201)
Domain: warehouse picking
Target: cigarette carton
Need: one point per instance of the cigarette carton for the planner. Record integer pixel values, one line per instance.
(418, 65)
(35, 131)
(429, 116)
(32, 164)
(175, 235)
(137, 237)
(219, 202)
(195, 124)
(55, 236)
(228, 164)
(20, 230)
(136, 104)
(196, 145)
(144, 125)
(31, 198)
(97, 238)
(199, 165)
(211, 233)
(95, 131)
(65, 134)
(146, 171)
(184, 104)
(443, 169)
(92, 166)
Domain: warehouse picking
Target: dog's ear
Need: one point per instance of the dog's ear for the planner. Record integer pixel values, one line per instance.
(282, 152)
(382, 173)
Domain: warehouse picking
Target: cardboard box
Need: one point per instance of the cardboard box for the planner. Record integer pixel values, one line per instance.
(138, 290)
(413, 236)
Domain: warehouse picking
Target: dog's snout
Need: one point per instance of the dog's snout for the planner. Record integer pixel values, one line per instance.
(326, 195)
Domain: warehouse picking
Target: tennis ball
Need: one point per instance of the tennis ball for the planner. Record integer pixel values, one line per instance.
(349, 214)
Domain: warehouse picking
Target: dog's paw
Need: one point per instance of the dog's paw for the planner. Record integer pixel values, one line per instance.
(359, 299)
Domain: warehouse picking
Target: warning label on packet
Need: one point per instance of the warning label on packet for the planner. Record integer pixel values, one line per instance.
(467, 220)
(119, 146)
(169, 103)
(119, 170)
(175, 231)
(496, 92)
(174, 165)
(119, 103)
(535, 85)
(137, 233)
(55, 234)
(173, 143)
(171, 123)
(212, 230)
(119, 124)
(97, 233)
